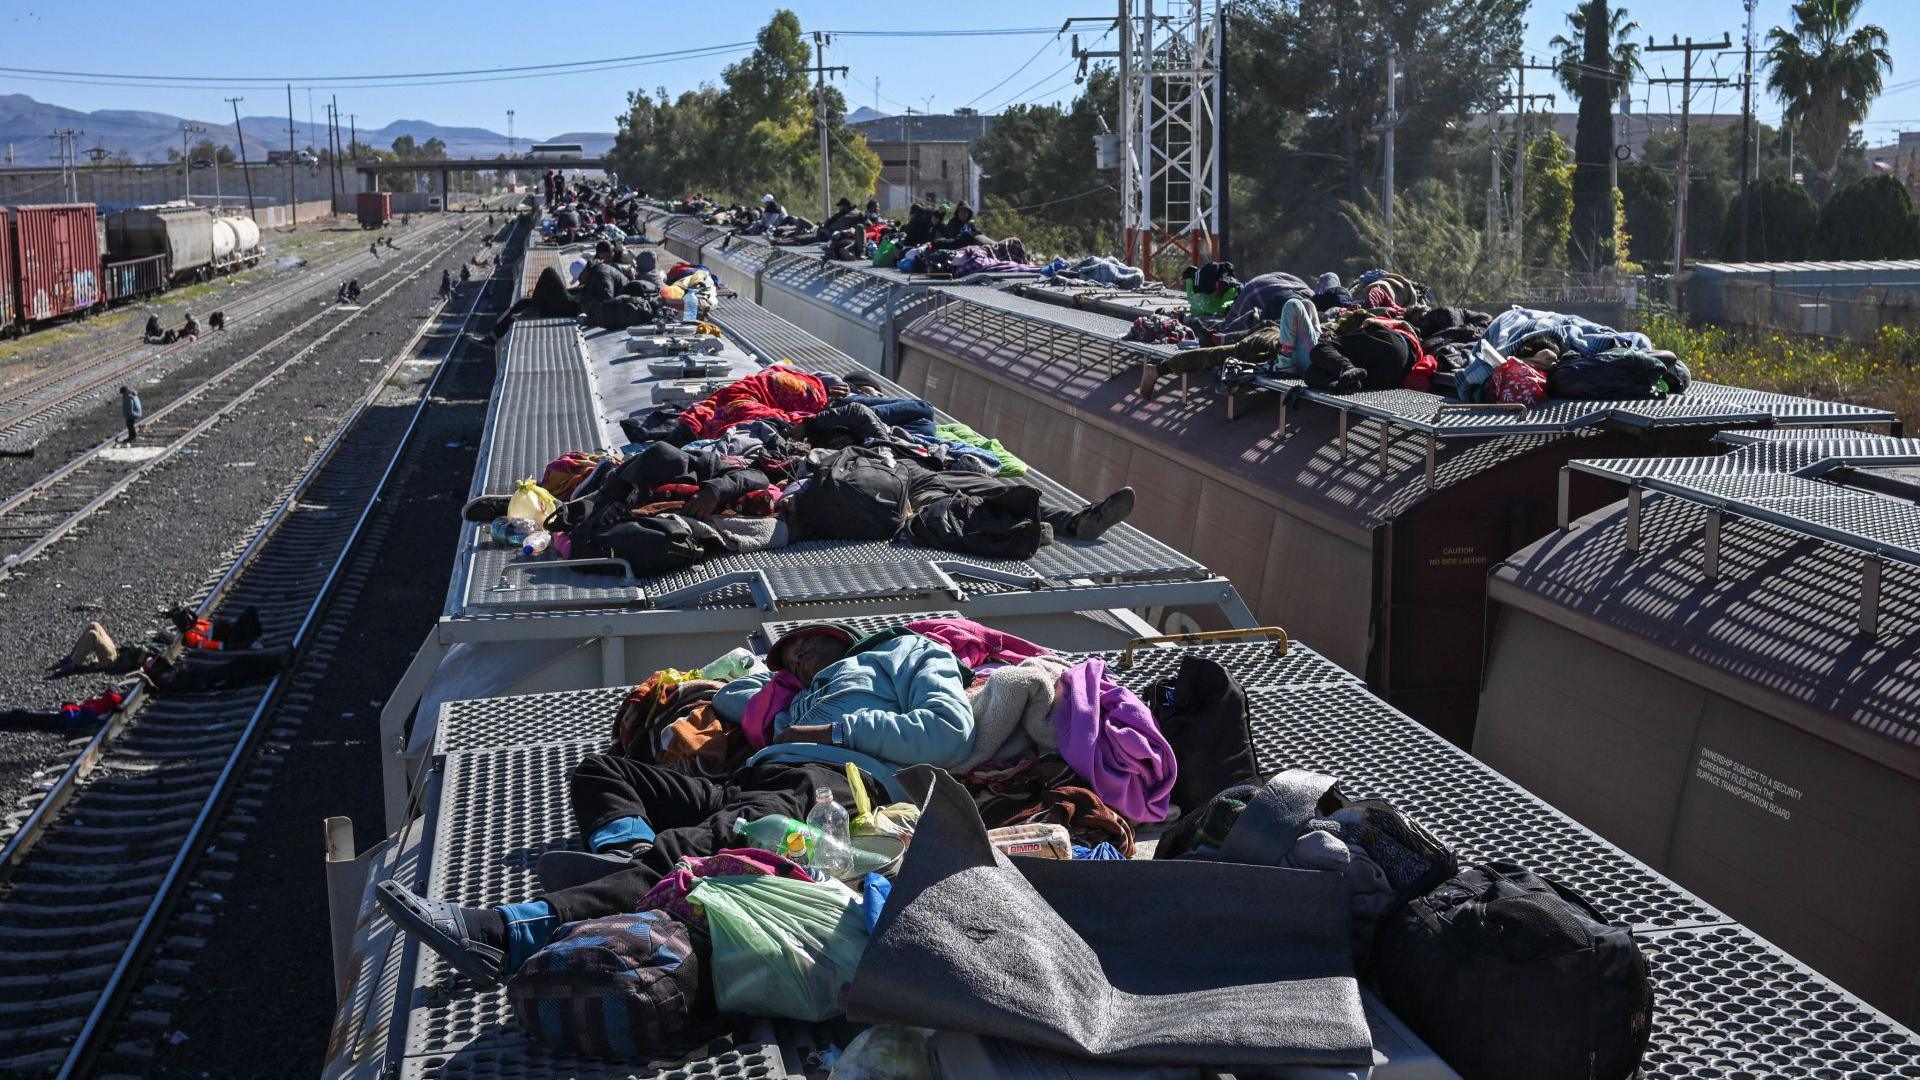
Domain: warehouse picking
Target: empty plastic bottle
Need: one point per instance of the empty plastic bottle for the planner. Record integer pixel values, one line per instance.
(831, 856)
(536, 543)
(691, 306)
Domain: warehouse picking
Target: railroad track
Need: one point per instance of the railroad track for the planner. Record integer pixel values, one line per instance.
(35, 517)
(89, 879)
(30, 407)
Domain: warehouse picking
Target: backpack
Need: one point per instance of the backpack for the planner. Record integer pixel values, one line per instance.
(857, 496)
(936, 261)
(1203, 713)
(1517, 382)
(1272, 823)
(627, 986)
(1508, 975)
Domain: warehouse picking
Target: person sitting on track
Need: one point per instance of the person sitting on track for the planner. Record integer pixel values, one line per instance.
(153, 334)
(353, 289)
(217, 321)
(190, 330)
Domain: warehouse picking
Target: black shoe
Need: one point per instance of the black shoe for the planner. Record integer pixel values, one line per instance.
(1095, 520)
(441, 926)
(485, 508)
(564, 869)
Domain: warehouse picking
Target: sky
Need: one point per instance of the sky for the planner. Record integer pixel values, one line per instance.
(363, 52)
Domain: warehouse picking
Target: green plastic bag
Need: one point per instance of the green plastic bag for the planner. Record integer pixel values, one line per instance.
(887, 253)
(781, 947)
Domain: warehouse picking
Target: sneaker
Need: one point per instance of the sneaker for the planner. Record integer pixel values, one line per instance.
(564, 869)
(440, 925)
(1095, 520)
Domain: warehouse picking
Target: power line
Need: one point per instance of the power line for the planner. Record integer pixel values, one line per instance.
(218, 83)
(1009, 31)
(1016, 71)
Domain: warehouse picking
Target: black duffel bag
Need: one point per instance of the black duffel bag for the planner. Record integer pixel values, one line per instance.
(1509, 976)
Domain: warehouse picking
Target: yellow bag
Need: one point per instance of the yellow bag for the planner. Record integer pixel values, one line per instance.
(531, 502)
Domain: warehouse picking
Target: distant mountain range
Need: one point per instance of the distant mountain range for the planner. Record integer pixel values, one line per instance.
(146, 136)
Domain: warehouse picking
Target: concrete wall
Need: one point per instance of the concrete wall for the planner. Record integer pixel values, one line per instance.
(115, 187)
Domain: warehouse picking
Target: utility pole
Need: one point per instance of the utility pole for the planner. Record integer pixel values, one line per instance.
(1522, 102)
(1746, 129)
(1387, 123)
(820, 73)
(353, 140)
(64, 149)
(186, 156)
(333, 159)
(244, 173)
(340, 177)
(1493, 175)
(293, 192)
(1684, 173)
(913, 197)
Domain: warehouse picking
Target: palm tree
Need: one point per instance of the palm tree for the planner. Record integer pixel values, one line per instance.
(1826, 78)
(1624, 61)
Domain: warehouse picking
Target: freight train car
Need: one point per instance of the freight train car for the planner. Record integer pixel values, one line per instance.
(9, 327)
(53, 261)
(184, 234)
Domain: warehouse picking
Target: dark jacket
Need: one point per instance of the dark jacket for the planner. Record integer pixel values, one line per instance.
(973, 514)
(919, 226)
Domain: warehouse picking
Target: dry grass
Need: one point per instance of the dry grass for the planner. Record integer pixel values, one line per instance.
(1882, 373)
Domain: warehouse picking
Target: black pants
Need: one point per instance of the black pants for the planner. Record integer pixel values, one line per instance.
(933, 488)
(689, 816)
(133, 429)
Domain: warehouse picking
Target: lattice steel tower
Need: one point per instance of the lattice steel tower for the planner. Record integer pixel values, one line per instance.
(1170, 176)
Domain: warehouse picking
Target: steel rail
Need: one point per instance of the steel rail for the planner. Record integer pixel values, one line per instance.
(68, 523)
(259, 304)
(119, 982)
(57, 796)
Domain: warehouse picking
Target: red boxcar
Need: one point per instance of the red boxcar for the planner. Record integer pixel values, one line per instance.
(8, 311)
(56, 260)
(375, 208)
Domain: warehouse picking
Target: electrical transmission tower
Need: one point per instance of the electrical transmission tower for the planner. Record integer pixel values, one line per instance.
(1171, 181)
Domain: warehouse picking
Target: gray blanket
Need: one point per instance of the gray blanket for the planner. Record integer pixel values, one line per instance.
(1173, 962)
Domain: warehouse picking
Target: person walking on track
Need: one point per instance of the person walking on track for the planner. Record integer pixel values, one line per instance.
(131, 412)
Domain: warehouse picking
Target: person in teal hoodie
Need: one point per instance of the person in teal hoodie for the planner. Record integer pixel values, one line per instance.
(898, 697)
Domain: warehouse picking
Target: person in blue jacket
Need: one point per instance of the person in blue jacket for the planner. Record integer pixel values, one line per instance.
(881, 703)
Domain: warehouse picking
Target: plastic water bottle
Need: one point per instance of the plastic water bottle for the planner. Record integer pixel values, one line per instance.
(831, 856)
(690, 306)
(537, 543)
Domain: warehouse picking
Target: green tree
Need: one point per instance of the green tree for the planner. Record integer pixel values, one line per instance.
(755, 133)
(1549, 200)
(1596, 65)
(1304, 103)
(1433, 243)
(1780, 223)
(1826, 73)
(1647, 202)
(1039, 184)
(1868, 219)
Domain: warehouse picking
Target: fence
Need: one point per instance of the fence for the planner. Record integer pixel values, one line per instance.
(1851, 312)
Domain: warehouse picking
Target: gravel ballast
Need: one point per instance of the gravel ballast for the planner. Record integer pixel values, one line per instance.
(159, 542)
